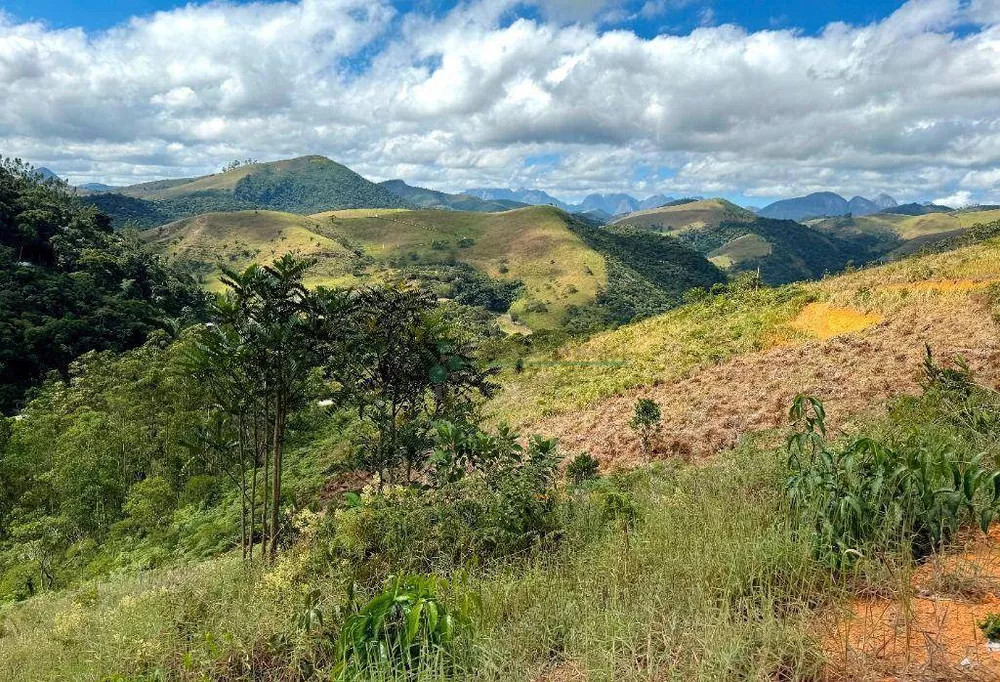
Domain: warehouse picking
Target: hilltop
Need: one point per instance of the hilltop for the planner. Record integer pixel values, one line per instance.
(678, 217)
(303, 185)
(429, 198)
(537, 266)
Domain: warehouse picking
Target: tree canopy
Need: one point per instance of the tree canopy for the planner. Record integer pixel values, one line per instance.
(70, 284)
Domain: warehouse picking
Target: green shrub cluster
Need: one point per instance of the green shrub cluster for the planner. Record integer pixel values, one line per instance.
(913, 488)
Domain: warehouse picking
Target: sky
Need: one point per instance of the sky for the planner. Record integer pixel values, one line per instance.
(749, 100)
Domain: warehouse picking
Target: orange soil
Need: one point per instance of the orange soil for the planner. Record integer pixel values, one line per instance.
(714, 406)
(933, 634)
(825, 321)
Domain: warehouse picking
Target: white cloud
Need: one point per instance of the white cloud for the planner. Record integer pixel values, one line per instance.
(904, 105)
(959, 199)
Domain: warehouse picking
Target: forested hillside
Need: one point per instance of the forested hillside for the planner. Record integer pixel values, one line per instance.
(69, 284)
(302, 185)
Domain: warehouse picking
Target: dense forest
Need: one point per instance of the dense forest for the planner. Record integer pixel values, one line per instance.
(70, 284)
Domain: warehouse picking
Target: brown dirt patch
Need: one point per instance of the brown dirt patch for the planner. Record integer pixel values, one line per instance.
(932, 634)
(713, 407)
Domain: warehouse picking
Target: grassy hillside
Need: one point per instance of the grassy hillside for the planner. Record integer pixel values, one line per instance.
(782, 250)
(892, 235)
(563, 271)
(665, 570)
(239, 238)
(302, 185)
(690, 357)
(685, 216)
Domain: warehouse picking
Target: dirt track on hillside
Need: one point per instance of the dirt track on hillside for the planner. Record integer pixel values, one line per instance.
(713, 407)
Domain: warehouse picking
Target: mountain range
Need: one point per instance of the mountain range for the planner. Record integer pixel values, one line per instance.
(596, 204)
(823, 204)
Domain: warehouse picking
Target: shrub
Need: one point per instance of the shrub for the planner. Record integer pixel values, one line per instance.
(582, 468)
(646, 422)
(991, 627)
(149, 504)
(870, 494)
(486, 514)
(399, 628)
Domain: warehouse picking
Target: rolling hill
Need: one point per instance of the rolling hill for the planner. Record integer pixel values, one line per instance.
(891, 235)
(678, 217)
(303, 185)
(544, 268)
(782, 251)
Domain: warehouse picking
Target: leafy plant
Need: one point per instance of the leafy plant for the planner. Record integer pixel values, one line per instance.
(991, 627)
(400, 627)
(646, 422)
(871, 494)
(582, 468)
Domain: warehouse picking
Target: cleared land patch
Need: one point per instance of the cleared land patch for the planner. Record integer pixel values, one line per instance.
(823, 321)
(930, 630)
(713, 407)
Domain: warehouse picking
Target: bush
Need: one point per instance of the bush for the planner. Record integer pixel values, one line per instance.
(504, 508)
(878, 495)
(582, 468)
(149, 504)
(399, 629)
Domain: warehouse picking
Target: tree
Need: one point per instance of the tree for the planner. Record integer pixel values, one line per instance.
(404, 367)
(70, 284)
(646, 422)
(256, 359)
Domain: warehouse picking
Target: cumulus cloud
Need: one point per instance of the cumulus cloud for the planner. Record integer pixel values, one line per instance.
(908, 105)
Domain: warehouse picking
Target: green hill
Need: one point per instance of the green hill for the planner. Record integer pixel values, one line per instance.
(782, 250)
(677, 217)
(540, 265)
(302, 185)
(891, 235)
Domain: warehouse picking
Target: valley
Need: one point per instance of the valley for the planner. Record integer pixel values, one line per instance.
(513, 487)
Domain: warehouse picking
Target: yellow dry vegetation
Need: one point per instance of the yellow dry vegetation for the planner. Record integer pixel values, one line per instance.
(689, 216)
(942, 286)
(824, 321)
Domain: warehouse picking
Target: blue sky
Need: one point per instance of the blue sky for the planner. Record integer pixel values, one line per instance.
(95, 15)
(749, 100)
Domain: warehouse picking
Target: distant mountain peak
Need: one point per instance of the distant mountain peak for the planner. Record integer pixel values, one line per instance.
(823, 204)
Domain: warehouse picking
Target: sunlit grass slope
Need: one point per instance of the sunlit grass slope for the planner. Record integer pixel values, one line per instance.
(670, 346)
(533, 245)
(692, 215)
(243, 237)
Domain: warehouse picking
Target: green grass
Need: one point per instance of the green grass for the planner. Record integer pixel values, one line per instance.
(532, 245)
(656, 350)
(239, 238)
(740, 249)
(730, 601)
(692, 215)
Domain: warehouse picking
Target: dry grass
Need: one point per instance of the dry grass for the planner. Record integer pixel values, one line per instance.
(928, 628)
(721, 373)
(690, 216)
(823, 321)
